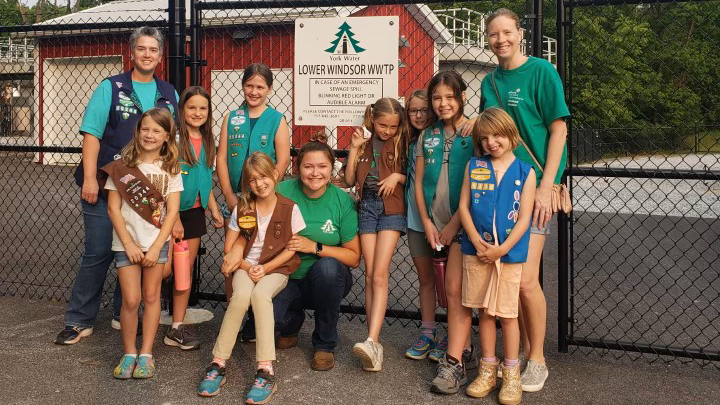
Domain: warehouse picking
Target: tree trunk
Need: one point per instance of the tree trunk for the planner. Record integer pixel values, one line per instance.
(38, 11)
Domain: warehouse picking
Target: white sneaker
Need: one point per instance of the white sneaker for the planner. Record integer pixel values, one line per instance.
(115, 324)
(370, 355)
(534, 376)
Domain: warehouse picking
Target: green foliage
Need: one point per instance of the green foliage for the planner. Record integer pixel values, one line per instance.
(647, 73)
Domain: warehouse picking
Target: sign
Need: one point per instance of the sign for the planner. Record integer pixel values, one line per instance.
(341, 66)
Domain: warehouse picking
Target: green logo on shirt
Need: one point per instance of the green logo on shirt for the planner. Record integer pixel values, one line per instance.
(328, 227)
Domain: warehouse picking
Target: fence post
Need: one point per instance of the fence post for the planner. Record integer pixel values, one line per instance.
(176, 44)
(195, 38)
(563, 222)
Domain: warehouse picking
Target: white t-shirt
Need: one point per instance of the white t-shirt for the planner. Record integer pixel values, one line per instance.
(297, 224)
(142, 232)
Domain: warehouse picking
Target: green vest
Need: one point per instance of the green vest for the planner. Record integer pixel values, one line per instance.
(460, 152)
(197, 179)
(242, 141)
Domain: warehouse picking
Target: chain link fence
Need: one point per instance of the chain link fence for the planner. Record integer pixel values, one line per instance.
(645, 178)
(56, 64)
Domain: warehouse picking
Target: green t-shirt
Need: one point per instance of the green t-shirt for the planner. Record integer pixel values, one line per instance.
(97, 111)
(533, 96)
(330, 219)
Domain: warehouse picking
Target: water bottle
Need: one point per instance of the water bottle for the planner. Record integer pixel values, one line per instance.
(439, 261)
(181, 265)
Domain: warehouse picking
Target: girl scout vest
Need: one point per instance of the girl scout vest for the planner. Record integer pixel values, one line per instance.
(387, 165)
(197, 179)
(277, 235)
(460, 152)
(490, 200)
(125, 110)
(137, 191)
(242, 140)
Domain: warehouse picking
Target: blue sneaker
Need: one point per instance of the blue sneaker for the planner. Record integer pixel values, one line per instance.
(262, 390)
(421, 348)
(439, 351)
(214, 379)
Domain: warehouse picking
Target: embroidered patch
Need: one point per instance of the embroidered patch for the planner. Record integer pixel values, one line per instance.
(436, 131)
(482, 163)
(480, 174)
(126, 178)
(263, 140)
(246, 222)
(432, 142)
(487, 236)
(517, 182)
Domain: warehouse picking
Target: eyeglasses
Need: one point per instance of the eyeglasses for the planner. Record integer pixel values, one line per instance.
(421, 111)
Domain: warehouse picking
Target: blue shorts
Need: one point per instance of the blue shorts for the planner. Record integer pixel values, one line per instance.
(121, 259)
(372, 219)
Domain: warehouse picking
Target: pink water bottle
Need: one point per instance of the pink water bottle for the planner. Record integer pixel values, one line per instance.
(181, 265)
(439, 261)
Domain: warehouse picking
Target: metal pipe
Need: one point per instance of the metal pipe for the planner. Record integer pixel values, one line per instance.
(563, 220)
(89, 27)
(661, 174)
(176, 44)
(194, 44)
(299, 4)
(645, 348)
(537, 32)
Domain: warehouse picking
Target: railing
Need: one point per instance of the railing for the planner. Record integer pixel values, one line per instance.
(15, 51)
(467, 28)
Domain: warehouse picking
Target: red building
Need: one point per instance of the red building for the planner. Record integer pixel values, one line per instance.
(70, 64)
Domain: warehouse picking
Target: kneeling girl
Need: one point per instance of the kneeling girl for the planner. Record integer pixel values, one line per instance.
(259, 263)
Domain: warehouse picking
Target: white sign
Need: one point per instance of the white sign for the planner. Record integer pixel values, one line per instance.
(341, 66)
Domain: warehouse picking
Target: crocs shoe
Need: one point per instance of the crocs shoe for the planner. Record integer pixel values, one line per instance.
(214, 379)
(145, 367)
(124, 369)
(421, 348)
(439, 351)
(262, 390)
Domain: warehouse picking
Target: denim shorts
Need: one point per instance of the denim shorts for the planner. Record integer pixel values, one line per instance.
(121, 259)
(372, 219)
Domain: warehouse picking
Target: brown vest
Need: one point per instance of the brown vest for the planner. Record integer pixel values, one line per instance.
(136, 190)
(279, 232)
(388, 163)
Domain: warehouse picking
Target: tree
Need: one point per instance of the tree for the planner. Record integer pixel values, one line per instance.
(345, 32)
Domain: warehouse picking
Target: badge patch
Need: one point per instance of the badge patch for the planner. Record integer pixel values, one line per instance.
(480, 174)
(487, 236)
(128, 177)
(237, 120)
(246, 222)
(436, 131)
(125, 115)
(517, 182)
(263, 140)
(432, 142)
(482, 163)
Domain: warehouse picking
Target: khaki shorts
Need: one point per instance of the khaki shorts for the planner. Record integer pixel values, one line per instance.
(496, 290)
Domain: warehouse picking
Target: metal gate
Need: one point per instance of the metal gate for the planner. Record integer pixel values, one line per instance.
(644, 236)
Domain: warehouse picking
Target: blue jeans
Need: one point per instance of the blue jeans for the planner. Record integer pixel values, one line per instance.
(325, 285)
(87, 288)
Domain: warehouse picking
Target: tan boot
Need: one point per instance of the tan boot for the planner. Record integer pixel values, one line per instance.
(485, 381)
(511, 389)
